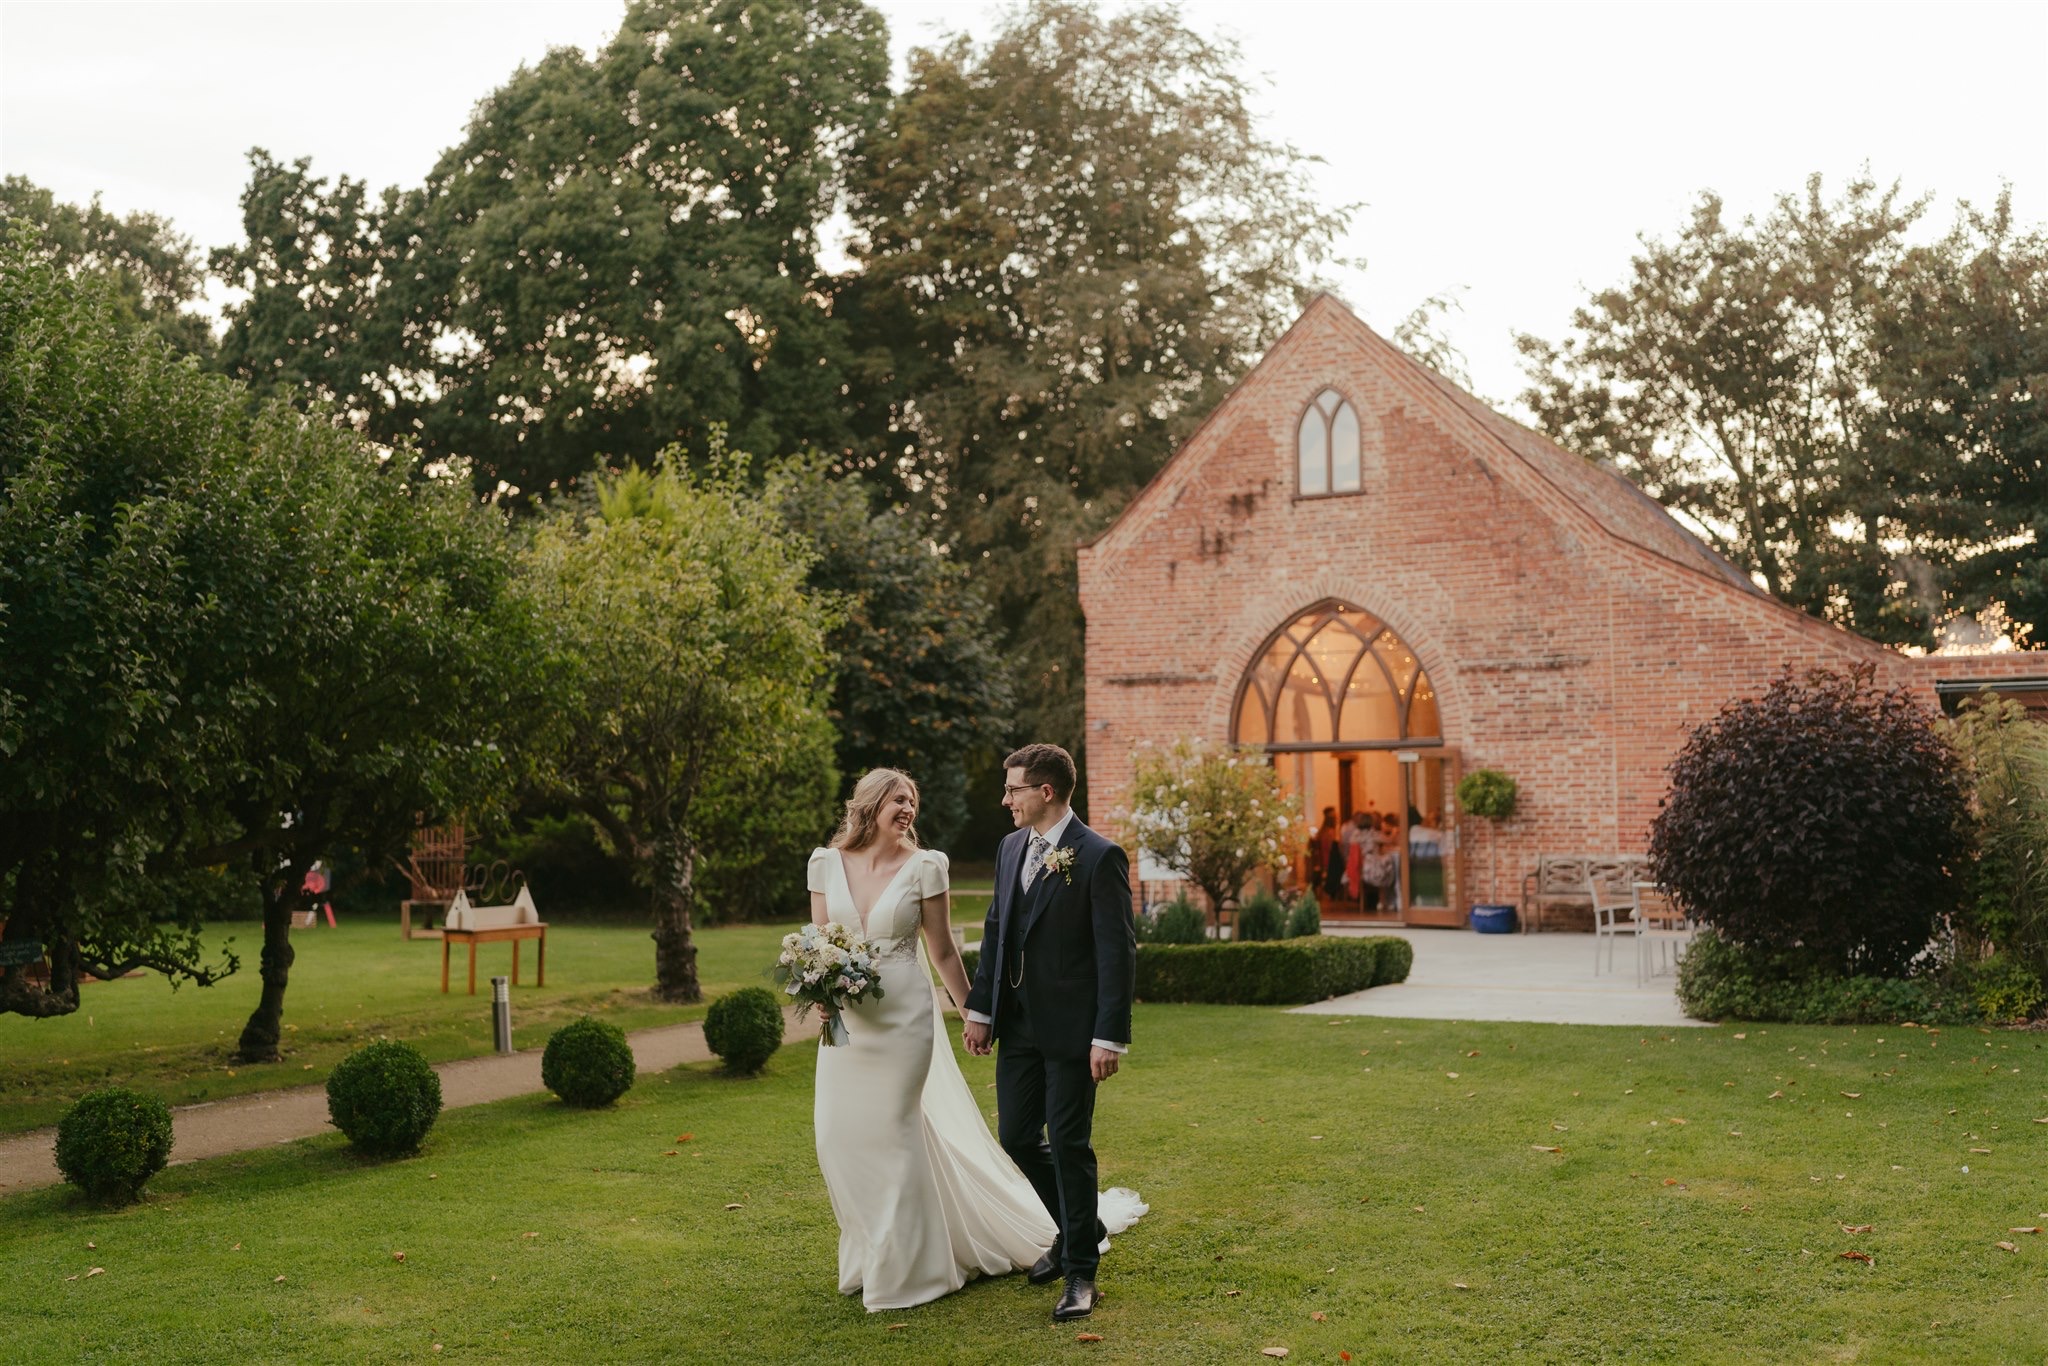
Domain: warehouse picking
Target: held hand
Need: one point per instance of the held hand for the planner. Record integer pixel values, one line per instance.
(975, 1035)
(1102, 1063)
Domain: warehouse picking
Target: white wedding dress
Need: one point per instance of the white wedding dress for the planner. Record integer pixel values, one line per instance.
(925, 1197)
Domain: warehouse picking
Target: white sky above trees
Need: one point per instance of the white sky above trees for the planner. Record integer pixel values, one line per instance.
(1513, 149)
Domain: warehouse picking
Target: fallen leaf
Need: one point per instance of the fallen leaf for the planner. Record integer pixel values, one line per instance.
(1676, 1120)
(1858, 1228)
(1856, 1257)
(672, 1153)
(1460, 1285)
(1775, 1095)
(2007, 1247)
(684, 1138)
(398, 1256)
(1452, 1075)
(529, 1235)
(276, 1280)
(1535, 1147)
(1087, 1337)
(1985, 1151)
(1315, 1138)
(1560, 1128)
(1232, 1294)
(1852, 1095)
(1416, 1208)
(1272, 1351)
(1742, 1036)
(735, 1207)
(437, 1346)
(2025, 1228)
(236, 1248)
(94, 1246)
(1670, 1180)
(101, 1271)
(1343, 1356)
(1319, 1316)
(894, 1326)
(71, 1278)
(1473, 1054)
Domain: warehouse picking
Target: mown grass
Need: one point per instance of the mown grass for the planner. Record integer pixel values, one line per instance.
(1327, 1186)
(350, 985)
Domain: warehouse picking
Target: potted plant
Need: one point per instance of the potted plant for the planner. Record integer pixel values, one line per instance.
(1489, 794)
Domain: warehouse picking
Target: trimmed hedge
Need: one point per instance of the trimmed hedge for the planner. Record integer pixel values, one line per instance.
(1278, 972)
(588, 1062)
(112, 1141)
(744, 1028)
(1283, 972)
(385, 1096)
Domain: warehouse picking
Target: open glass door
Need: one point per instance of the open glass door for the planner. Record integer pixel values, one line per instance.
(1429, 838)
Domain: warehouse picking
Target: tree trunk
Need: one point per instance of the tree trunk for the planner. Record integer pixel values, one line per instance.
(675, 896)
(282, 894)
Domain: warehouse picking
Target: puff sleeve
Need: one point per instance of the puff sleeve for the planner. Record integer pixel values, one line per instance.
(815, 876)
(931, 875)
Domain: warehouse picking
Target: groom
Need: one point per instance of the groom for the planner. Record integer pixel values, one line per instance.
(1058, 969)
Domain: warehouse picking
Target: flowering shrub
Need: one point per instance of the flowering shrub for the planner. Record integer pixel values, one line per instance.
(1215, 813)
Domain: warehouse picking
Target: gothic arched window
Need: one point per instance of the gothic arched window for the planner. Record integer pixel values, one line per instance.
(1326, 446)
(1335, 677)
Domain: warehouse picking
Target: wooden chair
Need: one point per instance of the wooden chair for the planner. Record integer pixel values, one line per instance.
(1662, 923)
(1610, 886)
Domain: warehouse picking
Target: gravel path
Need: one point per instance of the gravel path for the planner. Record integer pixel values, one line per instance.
(215, 1128)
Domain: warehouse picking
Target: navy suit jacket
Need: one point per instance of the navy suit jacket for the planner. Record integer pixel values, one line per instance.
(1080, 946)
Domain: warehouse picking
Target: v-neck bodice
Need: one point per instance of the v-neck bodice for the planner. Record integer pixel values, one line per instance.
(898, 908)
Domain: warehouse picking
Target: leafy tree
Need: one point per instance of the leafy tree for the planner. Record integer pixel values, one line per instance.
(1960, 340)
(157, 276)
(2006, 904)
(693, 656)
(314, 263)
(1844, 415)
(1827, 817)
(385, 668)
(1072, 241)
(921, 684)
(619, 253)
(225, 638)
(106, 445)
(1215, 813)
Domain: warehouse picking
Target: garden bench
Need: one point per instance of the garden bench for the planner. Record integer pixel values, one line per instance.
(1564, 882)
(475, 925)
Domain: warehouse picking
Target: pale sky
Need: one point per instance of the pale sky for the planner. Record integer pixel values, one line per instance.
(1512, 149)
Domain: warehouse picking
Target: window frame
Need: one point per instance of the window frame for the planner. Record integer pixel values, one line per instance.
(1329, 420)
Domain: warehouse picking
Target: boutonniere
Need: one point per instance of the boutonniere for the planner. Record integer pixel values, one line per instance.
(1061, 861)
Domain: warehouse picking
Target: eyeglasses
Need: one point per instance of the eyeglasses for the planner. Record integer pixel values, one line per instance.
(1011, 790)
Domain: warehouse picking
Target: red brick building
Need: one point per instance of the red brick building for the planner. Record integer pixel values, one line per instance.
(1364, 569)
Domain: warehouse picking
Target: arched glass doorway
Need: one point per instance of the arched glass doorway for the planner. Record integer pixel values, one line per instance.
(1348, 714)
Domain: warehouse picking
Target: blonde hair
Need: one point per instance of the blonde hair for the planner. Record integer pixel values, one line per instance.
(864, 808)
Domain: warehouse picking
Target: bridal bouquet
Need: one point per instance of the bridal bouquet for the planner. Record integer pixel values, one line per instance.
(826, 966)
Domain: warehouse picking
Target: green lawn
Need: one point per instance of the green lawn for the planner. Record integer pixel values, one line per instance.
(350, 985)
(1359, 1185)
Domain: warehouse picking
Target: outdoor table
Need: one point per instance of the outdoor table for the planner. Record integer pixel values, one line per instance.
(531, 930)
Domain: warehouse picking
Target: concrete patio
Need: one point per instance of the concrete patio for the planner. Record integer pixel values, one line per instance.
(1537, 978)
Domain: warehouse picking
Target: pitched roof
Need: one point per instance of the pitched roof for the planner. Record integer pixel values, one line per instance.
(1599, 491)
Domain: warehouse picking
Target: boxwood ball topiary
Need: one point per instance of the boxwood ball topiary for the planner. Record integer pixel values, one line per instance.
(745, 1029)
(588, 1062)
(384, 1097)
(112, 1141)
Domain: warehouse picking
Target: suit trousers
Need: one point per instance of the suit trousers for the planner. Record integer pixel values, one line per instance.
(1045, 1117)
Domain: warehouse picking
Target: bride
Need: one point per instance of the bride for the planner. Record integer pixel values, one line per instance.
(925, 1197)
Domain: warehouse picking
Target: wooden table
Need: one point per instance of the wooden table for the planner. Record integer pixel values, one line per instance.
(515, 933)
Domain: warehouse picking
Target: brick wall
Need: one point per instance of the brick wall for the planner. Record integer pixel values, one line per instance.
(1572, 642)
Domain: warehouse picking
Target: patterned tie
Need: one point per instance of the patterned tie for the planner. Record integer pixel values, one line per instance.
(1034, 860)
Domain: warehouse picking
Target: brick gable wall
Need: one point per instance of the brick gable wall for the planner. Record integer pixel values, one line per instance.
(1571, 642)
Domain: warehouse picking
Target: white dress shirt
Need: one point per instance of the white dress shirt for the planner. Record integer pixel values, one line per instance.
(1052, 842)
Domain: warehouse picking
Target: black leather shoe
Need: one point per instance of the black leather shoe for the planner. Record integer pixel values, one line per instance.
(1078, 1302)
(1046, 1269)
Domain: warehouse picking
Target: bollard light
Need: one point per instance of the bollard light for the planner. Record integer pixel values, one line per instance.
(501, 1013)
